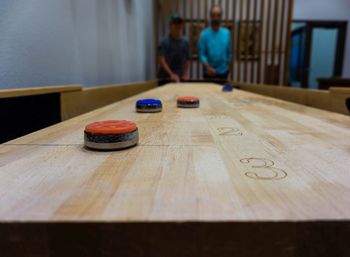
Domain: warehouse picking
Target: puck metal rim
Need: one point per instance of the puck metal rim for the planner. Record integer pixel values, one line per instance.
(130, 139)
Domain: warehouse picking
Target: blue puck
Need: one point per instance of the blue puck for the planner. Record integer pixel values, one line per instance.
(227, 88)
(148, 105)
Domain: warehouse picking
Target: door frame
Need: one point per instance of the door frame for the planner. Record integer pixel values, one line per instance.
(340, 49)
(301, 68)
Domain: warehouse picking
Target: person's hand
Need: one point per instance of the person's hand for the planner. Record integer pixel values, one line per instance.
(211, 71)
(175, 78)
(185, 77)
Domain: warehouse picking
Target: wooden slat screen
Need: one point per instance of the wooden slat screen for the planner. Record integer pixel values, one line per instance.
(260, 34)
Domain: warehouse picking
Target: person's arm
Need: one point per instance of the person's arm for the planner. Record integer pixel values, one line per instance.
(203, 57)
(165, 66)
(210, 70)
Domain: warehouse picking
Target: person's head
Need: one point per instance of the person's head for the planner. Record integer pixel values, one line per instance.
(215, 16)
(176, 25)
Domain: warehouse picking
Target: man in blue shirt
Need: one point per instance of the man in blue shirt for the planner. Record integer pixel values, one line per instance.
(214, 48)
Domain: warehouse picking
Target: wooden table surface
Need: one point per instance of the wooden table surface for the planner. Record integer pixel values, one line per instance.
(239, 157)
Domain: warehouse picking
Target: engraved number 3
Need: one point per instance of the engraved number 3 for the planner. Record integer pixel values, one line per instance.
(275, 173)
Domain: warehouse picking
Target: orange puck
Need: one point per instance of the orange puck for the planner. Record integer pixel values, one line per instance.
(111, 135)
(111, 127)
(188, 102)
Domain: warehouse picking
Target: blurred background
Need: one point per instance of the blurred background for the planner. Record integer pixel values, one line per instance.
(97, 42)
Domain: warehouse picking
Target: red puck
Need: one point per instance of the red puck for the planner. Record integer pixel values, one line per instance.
(188, 102)
(111, 135)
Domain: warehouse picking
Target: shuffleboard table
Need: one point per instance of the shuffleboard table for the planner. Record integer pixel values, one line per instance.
(243, 175)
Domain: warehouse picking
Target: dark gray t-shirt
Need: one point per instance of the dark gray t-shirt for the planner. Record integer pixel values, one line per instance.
(176, 53)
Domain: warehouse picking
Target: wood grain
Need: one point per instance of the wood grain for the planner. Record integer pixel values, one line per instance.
(240, 157)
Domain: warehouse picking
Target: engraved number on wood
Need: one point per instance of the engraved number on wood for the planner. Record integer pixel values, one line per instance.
(227, 131)
(265, 165)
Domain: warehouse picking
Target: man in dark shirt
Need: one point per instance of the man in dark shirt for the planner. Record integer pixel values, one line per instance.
(174, 54)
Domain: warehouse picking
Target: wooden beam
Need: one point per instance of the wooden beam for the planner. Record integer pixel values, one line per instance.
(206, 11)
(184, 14)
(255, 41)
(191, 34)
(227, 13)
(267, 39)
(163, 18)
(261, 35)
(241, 3)
(274, 38)
(233, 39)
(283, 36)
(198, 33)
(247, 40)
(156, 34)
(170, 7)
(288, 42)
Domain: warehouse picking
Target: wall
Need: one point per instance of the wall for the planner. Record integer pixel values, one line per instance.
(88, 42)
(326, 10)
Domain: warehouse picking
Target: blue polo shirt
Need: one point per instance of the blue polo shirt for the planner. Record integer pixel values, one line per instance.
(215, 48)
